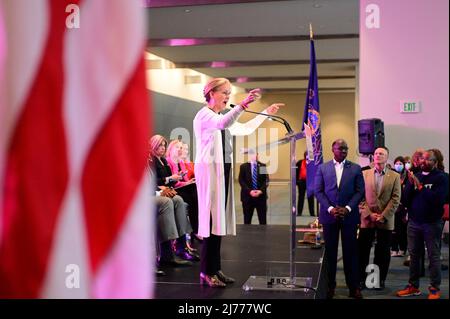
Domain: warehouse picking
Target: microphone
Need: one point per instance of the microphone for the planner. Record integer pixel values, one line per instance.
(271, 117)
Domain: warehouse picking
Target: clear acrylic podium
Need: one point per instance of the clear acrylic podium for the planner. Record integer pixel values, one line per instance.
(280, 283)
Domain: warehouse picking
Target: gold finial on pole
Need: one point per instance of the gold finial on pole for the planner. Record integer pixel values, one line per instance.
(310, 32)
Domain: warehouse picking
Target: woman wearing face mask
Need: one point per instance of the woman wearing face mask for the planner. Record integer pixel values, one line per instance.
(399, 236)
(407, 163)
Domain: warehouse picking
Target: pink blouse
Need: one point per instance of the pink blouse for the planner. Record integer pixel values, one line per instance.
(184, 168)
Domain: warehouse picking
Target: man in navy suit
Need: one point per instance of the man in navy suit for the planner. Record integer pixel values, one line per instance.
(339, 187)
(254, 181)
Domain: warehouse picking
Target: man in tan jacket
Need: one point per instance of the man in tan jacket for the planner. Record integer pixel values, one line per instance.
(382, 198)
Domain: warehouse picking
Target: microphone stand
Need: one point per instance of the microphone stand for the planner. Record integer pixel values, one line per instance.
(292, 282)
(275, 118)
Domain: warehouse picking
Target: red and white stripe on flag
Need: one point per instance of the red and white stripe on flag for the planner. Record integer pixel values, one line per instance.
(75, 216)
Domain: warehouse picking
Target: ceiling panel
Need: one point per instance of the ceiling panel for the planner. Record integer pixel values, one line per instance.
(254, 19)
(236, 28)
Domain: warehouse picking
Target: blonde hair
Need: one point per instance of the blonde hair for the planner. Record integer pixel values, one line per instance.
(154, 142)
(171, 147)
(212, 86)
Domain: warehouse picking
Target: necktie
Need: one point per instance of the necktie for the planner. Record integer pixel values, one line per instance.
(254, 176)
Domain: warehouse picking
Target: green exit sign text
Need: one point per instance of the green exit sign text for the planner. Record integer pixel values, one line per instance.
(410, 106)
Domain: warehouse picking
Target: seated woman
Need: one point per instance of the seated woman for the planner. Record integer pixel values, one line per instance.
(186, 187)
(171, 222)
(166, 181)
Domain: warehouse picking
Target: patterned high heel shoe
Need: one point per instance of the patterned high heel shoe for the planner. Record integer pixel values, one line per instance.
(211, 281)
(224, 278)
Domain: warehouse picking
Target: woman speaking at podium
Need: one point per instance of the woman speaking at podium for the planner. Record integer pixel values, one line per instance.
(214, 172)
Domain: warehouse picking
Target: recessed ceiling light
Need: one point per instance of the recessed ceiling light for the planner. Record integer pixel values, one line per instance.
(187, 10)
(317, 5)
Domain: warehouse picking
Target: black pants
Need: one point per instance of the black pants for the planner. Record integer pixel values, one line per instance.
(349, 251)
(210, 261)
(189, 195)
(210, 257)
(301, 185)
(382, 256)
(261, 208)
(399, 235)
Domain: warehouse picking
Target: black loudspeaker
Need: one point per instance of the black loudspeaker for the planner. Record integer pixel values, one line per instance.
(371, 135)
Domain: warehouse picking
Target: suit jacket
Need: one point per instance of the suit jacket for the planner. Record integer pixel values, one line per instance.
(386, 202)
(162, 171)
(349, 193)
(245, 180)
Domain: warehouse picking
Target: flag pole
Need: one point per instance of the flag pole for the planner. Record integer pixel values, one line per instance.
(311, 34)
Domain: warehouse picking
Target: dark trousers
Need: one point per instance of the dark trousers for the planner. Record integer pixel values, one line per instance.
(249, 206)
(430, 234)
(210, 256)
(189, 195)
(382, 253)
(349, 251)
(301, 185)
(399, 235)
(210, 260)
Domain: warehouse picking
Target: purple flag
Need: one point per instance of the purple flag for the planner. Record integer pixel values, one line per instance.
(312, 118)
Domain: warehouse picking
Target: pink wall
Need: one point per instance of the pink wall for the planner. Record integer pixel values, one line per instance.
(407, 57)
(2, 42)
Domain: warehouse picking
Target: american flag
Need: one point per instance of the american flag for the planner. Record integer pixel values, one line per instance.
(75, 218)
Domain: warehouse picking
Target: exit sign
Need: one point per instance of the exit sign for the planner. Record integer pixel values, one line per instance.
(410, 106)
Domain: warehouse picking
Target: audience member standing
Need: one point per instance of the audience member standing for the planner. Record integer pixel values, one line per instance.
(301, 186)
(399, 242)
(408, 164)
(254, 180)
(414, 167)
(339, 188)
(425, 194)
(382, 197)
(440, 166)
